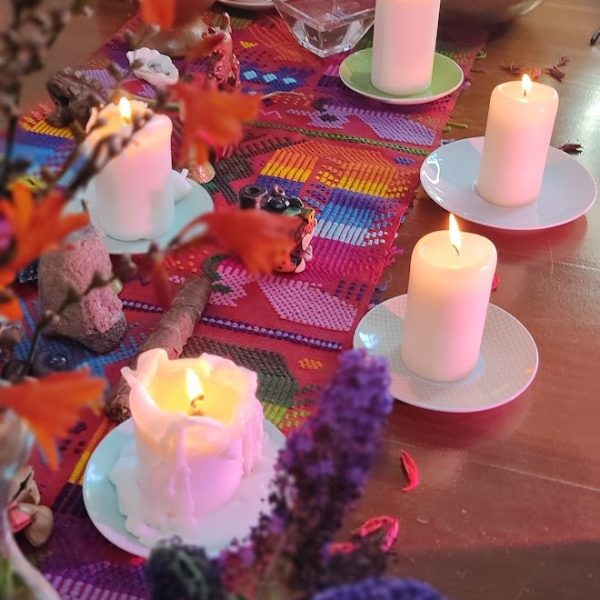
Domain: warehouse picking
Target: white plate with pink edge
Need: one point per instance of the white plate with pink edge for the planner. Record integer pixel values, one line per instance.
(507, 365)
(215, 532)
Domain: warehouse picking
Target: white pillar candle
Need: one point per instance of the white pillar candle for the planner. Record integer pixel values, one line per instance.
(133, 199)
(198, 429)
(448, 294)
(404, 45)
(517, 138)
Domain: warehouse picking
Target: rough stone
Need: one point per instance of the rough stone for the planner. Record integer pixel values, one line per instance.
(97, 321)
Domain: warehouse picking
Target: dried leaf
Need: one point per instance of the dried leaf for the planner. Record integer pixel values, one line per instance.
(571, 148)
(387, 526)
(158, 12)
(10, 308)
(50, 405)
(261, 240)
(35, 227)
(412, 471)
(211, 118)
(556, 73)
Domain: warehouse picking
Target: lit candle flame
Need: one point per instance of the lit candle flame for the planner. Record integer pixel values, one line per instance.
(194, 390)
(527, 84)
(455, 237)
(125, 110)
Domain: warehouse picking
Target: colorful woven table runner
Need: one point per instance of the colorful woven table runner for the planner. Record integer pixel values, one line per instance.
(355, 161)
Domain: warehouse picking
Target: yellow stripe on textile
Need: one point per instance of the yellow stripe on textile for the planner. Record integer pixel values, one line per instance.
(77, 474)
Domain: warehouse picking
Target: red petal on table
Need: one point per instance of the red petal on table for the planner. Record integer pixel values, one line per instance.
(18, 519)
(496, 282)
(342, 548)
(391, 524)
(412, 471)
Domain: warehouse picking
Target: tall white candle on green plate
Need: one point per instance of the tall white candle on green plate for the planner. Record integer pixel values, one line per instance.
(450, 283)
(404, 45)
(517, 139)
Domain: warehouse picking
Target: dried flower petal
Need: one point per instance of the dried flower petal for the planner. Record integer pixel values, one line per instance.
(69, 392)
(571, 148)
(496, 282)
(343, 548)
(412, 471)
(18, 519)
(391, 526)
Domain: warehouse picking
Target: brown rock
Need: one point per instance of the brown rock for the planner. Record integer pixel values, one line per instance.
(97, 321)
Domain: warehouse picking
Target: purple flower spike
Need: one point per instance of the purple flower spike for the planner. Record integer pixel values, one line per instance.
(381, 589)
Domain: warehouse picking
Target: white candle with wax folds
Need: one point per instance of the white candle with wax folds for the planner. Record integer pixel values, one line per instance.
(517, 139)
(198, 429)
(133, 199)
(450, 283)
(404, 45)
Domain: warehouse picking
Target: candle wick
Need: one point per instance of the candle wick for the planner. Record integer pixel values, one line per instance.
(457, 249)
(195, 409)
(525, 93)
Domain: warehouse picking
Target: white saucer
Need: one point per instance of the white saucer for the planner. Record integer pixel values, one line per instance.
(233, 520)
(507, 365)
(196, 203)
(243, 5)
(449, 177)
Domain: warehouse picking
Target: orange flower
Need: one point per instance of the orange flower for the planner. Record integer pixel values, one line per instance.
(212, 118)
(158, 12)
(35, 227)
(50, 405)
(260, 239)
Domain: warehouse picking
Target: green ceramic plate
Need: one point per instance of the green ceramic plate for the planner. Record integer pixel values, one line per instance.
(355, 72)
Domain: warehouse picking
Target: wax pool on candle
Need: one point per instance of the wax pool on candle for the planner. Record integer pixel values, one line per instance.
(404, 45)
(198, 428)
(517, 138)
(448, 294)
(133, 199)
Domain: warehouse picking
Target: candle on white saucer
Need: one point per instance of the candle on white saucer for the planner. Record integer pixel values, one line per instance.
(198, 429)
(404, 45)
(450, 283)
(517, 139)
(133, 199)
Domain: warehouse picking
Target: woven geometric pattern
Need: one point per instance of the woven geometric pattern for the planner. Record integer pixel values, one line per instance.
(355, 161)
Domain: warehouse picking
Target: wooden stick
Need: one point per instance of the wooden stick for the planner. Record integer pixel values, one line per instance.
(172, 333)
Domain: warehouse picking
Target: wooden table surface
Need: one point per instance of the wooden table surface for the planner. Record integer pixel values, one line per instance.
(509, 506)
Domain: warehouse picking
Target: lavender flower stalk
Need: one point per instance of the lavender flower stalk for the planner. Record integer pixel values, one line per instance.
(381, 589)
(320, 473)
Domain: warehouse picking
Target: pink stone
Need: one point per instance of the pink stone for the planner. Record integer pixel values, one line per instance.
(98, 321)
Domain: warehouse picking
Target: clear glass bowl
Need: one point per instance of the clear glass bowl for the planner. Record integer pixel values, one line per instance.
(327, 27)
